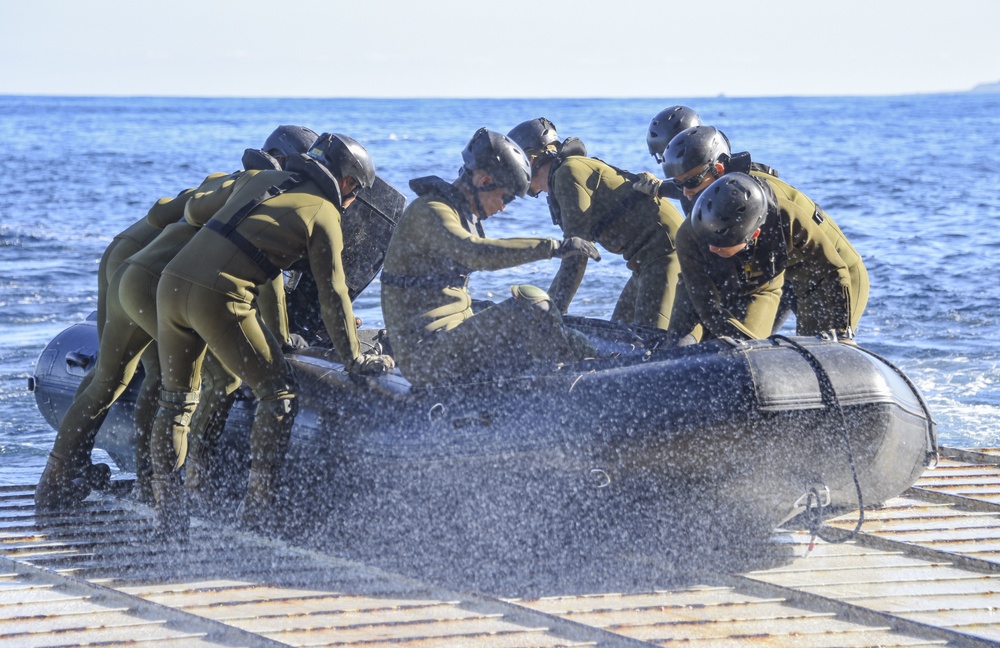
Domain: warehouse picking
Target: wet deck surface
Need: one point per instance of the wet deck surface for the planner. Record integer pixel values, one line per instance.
(925, 570)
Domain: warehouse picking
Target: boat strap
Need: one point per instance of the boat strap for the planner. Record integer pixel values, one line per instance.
(829, 396)
(228, 229)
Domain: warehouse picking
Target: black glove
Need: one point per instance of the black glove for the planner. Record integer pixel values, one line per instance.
(575, 246)
(687, 340)
(371, 364)
(648, 184)
(295, 343)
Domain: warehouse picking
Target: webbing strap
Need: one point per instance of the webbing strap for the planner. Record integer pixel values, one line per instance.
(244, 211)
(829, 396)
(256, 255)
(228, 229)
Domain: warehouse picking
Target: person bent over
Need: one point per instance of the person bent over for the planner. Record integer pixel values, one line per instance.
(735, 252)
(698, 156)
(594, 201)
(206, 300)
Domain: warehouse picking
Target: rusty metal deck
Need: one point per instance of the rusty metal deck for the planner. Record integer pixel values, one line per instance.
(925, 570)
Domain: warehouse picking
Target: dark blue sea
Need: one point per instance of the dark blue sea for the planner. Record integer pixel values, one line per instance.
(913, 181)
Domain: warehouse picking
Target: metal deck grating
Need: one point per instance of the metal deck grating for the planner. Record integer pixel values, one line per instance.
(924, 571)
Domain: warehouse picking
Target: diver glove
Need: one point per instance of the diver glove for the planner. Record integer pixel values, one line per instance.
(295, 343)
(648, 184)
(575, 246)
(371, 364)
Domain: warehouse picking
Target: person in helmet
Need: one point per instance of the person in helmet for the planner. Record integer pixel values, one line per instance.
(138, 291)
(540, 142)
(68, 477)
(697, 156)
(746, 240)
(668, 124)
(438, 242)
(205, 301)
(283, 142)
(595, 201)
(694, 158)
(662, 128)
(665, 125)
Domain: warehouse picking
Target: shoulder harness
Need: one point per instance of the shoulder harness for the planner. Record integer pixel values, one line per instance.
(228, 229)
(742, 163)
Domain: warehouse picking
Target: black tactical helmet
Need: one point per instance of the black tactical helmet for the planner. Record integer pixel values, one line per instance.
(730, 210)
(666, 125)
(535, 136)
(498, 156)
(694, 147)
(344, 157)
(289, 140)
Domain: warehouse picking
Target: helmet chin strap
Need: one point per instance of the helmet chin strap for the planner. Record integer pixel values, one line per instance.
(480, 212)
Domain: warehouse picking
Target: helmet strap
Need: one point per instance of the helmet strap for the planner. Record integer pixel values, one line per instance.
(465, 177)
(480, 212)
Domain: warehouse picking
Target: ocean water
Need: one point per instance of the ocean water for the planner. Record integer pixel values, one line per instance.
(912, 180)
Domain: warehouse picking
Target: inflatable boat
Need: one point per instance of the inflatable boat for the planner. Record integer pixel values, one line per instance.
(646, 442)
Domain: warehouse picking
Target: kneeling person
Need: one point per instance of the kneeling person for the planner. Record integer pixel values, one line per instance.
(438, 243)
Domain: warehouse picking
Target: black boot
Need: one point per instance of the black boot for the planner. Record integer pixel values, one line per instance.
(196, 483)
(62, 485)
(172, 521)
(142, 490)
(257, 512)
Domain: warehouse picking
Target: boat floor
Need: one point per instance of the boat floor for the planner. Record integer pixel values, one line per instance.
(923, 571)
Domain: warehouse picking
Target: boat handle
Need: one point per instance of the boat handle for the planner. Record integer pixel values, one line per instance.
(436, 412)
(601, 477)
(78, 359)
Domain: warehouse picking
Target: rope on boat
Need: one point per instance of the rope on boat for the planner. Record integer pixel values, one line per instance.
(814, 504)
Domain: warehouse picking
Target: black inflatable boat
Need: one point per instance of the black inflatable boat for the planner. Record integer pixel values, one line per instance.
(642, 443)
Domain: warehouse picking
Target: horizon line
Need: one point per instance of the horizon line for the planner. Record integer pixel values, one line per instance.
(55, 95)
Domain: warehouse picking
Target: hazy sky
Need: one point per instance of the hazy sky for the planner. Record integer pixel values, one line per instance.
(505, 48)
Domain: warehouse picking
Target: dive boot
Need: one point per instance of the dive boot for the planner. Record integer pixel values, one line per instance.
(172, 523)
(98, 476)
(142, 490)
(62, 486)
(256, 511)
(196, 477)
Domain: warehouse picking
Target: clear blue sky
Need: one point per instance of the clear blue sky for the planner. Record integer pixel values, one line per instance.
(504, 48)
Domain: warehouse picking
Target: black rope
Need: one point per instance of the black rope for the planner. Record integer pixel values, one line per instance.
(814, 514)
